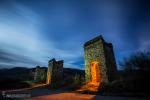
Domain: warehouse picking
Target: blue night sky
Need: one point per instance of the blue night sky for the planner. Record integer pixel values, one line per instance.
(34, 31)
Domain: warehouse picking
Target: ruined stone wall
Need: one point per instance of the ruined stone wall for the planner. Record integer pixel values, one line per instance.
(55, 71)
(39, 74)
(95, 52)
(111, 64)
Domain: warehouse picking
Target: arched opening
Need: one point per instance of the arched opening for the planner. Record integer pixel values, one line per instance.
(95, 76)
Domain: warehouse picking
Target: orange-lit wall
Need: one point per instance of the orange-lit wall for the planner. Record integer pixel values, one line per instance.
(95, 76)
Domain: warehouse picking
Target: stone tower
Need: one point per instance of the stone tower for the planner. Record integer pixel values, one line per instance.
(55, 71)
(100, 65)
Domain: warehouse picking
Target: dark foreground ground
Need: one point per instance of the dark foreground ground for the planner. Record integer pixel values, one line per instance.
(61, 94)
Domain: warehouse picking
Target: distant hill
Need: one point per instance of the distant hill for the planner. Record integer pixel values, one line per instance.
(20, 73)
(24, 73)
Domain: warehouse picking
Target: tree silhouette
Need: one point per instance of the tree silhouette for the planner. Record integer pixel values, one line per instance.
(138, 61)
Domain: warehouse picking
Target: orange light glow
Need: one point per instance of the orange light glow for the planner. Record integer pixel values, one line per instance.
(95, 78)
(48, 78)
(94, 84)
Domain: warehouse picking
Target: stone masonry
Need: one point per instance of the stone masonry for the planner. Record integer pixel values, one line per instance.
(99, 54)
(39, 74)
(55, 71)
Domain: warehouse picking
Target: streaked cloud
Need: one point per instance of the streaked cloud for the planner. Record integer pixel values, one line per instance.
(32, 32)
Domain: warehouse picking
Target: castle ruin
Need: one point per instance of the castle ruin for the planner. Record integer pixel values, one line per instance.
(100, 65)
(39, 74)
(55, 71)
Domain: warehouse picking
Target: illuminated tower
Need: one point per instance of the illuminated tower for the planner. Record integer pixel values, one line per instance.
(100, 65)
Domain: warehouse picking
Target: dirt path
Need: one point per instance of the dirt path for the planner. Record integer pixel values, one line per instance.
(63, 96)
(77, 96)
(46, 94)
